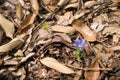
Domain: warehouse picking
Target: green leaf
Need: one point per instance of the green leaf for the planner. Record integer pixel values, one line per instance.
(79, 54)
(46, 26)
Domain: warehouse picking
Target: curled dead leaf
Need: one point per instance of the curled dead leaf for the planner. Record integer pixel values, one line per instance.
(7, 26)
(64, 29)
(92, 75)
(87, 33)
(53, 63)
(27, 21)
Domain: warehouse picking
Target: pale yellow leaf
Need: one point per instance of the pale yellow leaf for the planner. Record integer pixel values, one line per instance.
(64, 29)
(19, 13)
(53, 63)
(87, 33)
(7, 26)
(116, 1)
(89, 4)
(19, 53)
(35, 4)
(74, 5)
(93, 75)
(12, 44)
(111, 30)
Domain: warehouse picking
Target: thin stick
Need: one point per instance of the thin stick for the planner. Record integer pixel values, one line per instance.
(90, 69)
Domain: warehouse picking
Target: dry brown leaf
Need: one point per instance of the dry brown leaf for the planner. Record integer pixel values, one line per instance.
(116, 1)
(111, 30)
(64, 36)
(1, 61)
(12, 44)
(7, 26)
(87, 33)
(35, 5)
(74, 5)
(19, 53)
(62, 2)
(116, 38)
(53, 63)
(64, 29)
(27, 21)
(1, 35)
(19, 12)
(78, 15)
(93, 75)
(27, 57)
(89, 4)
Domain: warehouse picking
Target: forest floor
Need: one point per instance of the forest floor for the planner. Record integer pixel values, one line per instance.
(59, 39)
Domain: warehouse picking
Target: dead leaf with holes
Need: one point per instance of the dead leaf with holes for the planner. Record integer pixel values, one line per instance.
(7, 26)
(65, 29)
(86, 32)
(92, 75)
(53, 63)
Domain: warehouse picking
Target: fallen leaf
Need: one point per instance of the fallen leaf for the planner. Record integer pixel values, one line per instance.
(78, 15)
(12, 44)
(27, 57)
(64, 29)
(111, 30)
(62, 2)
(1, 35)
(19, 53)
(19, 12)
(74, 5)
(35, 5)
(92, 75)
(7, 26)
(53, 63)
(87, 33)
(116, 38)
(89, 4)
(1, 61)
(116, 1)
(97, 26)
(64, 36)
(27, 21)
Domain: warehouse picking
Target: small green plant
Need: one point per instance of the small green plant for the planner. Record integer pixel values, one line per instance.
(46, 26)
(81, 79)
(79, 54)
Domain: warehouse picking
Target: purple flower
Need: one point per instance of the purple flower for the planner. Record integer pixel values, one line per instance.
(80, 44)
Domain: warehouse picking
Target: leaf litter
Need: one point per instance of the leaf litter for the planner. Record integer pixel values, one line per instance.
(59, 40)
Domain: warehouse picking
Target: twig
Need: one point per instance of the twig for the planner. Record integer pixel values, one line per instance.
(90, 69)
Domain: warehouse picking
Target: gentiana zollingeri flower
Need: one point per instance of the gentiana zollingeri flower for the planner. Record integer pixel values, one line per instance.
(80, 43)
